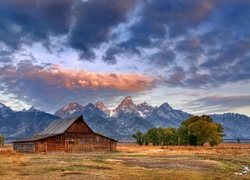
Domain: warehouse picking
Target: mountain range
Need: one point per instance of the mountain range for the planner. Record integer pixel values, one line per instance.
(119, 123)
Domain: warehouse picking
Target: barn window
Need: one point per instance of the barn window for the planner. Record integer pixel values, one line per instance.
(58, 138)
(84, 141)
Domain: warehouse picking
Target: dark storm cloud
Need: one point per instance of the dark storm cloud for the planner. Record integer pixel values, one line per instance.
(230, 64)
(227, 44)
(87, 24)
(234, 14)
(159, 19)
(223, 47)
(190, 46)
(6, 56)
(159, 16)
(29, 56)
(93, 24)
(215, 37)
(218, 103)
(229, 54)
(198, 80)
(29, 21)
(163, 58)
(236, 72)
(110, 57)
(123, 48)
(176, 78)
(177, 30)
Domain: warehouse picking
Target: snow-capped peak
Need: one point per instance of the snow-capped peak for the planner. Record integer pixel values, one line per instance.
(127, 106)
(102, 107)
(143, 105)
(72, 105)
(127, 103)
(72, 109)
(145, 109)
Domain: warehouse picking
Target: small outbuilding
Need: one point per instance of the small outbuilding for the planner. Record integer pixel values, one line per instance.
(66, 135)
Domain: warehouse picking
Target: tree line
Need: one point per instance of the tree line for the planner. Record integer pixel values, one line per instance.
(194, 131)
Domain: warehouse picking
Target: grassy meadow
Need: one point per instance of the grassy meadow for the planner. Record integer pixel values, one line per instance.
(130, 162)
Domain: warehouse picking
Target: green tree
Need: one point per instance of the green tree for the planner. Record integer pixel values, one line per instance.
(145, 139)
(183, 137)
(2, 139)
(139, 137)
(198, 130)
(217, 134)
(170, 136)
(153, 136)
(161, 135)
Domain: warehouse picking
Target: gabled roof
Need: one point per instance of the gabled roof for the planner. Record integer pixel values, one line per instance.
(60, 126)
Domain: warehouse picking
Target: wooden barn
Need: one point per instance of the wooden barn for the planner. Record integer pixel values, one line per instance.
(66, 135)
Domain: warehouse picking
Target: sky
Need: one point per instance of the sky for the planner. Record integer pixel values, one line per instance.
(192, 54)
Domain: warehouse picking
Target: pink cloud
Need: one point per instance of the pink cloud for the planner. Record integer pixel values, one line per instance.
(85, 79)
(59, 77)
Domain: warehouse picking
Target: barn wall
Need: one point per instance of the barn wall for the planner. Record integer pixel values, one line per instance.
(26, 147)
(40, 146)
(52, 144)
(113, 146)
(78, 127)
(103, 144)
(56, 143)
(86, 136)
(88, 142)
(76, 142)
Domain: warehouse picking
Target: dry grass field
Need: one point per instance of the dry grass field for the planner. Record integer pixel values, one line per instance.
(130, 162)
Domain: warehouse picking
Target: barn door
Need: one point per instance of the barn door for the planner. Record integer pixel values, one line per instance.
(42, 146)
(69, 145)
(86, 146)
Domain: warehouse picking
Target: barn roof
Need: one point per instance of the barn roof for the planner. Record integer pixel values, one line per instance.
(60, 126)
(34, 138)
(55, 128)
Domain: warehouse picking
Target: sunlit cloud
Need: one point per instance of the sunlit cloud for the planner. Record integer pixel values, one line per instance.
(45, 85)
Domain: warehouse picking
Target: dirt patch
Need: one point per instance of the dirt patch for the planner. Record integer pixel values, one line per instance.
(183, 163)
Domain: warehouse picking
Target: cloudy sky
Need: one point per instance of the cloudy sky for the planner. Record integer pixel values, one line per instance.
(193, 54)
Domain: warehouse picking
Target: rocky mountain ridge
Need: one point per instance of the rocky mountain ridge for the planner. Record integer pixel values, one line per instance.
(22, 124)
(119, 123)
